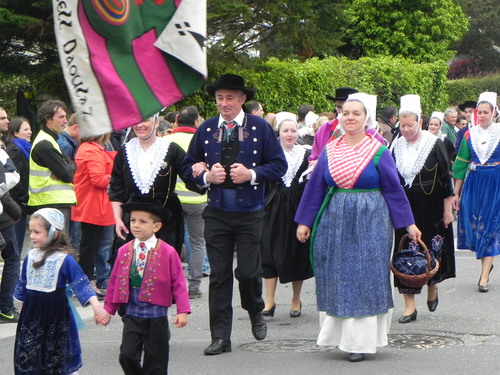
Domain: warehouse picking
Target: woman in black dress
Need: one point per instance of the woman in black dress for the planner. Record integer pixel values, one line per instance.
(435, 128)
(148, 165)
(283, 256)
(424, 171)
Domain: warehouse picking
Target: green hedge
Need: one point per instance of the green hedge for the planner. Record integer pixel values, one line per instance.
(285, 85)
(461, 90)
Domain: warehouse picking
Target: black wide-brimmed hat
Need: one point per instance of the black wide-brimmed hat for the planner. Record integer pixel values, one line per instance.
(230, 82)
(467, 104)
(341, 93)
(148, 204)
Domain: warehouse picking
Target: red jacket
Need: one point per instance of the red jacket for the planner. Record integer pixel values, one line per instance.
(93, 171)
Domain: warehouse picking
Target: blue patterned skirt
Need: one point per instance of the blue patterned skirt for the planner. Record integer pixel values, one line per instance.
(352, 252)
(47, 337)
(479, 215)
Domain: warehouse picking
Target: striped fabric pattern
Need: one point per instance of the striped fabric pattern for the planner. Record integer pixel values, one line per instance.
(346, 163)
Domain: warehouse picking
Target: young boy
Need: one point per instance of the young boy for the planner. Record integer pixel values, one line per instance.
(147, 277)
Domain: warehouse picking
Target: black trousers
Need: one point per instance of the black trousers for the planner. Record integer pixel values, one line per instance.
(148, 335)
(224, 230)
(89, 245)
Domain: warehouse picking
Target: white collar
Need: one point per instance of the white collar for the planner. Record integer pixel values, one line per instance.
(411, 157)
(294, 158)
(238, 119)
(145, 165)
(150, 242)
(485, 141)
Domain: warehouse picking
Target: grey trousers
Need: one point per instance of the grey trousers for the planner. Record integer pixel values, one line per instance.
(196, 228)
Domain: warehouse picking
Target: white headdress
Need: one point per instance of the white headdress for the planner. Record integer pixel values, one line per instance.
(490, 97)
(370, 103)
(411, 103)
(281, 116)
(438, 115)
(53, 216)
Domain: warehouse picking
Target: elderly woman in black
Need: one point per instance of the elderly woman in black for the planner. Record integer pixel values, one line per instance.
(424, 172)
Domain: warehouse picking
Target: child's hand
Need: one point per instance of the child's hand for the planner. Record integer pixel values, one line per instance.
(101, 316)
(181, 320)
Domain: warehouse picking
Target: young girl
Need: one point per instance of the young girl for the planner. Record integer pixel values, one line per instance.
(47, 337)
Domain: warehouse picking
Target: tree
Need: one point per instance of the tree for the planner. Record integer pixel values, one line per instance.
(27, 46)
(482, 41)
(422, 30)
(281, 28)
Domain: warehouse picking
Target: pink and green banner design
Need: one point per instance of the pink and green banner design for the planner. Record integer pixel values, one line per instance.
(125, 60)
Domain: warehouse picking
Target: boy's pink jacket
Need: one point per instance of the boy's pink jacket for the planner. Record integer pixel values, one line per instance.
(163, 279)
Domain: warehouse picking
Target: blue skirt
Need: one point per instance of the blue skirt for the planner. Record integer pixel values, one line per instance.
(352, 252)
(47, 337)
(479, 215)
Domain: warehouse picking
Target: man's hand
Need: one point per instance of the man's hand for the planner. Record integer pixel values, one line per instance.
(240, 174)
(216, 175)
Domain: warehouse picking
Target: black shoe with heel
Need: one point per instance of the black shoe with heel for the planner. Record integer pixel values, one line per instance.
(408, 318)
(296, 313)
(269, 312)
(484, 288)
(432, 305)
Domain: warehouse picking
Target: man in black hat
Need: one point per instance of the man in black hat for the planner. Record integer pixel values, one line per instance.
(468, 108)
(241, 154)
(326, 131)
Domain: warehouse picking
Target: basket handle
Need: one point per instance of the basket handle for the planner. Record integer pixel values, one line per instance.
(422, 245)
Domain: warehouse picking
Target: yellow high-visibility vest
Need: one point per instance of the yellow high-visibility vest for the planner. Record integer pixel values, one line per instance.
(43, 190)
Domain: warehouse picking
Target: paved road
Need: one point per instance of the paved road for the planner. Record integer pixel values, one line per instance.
(461, 337)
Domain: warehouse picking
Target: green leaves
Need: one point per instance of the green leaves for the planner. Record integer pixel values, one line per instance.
(401, 28)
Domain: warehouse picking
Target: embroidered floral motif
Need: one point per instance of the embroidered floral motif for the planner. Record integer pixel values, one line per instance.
(215, 135)
(246, 134)
(437, 244)
(44, 278)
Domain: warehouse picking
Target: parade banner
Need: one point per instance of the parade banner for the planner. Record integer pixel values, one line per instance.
(125, 60)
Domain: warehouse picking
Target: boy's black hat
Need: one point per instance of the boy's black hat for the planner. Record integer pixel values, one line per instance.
(148, 204)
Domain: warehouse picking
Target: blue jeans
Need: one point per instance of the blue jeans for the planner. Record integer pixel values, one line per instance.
(20, 228)
(102, 267)
(75, 234)
(10, 275)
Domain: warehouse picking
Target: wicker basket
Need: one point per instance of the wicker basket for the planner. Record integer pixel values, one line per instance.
(416, 281)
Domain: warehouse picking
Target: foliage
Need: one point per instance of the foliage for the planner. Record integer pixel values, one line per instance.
(281, 28)
(9, 90)
(482, 41)
(460, 90)
(285, 85)
(27, 44)
(420, 30)
(464, 67)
